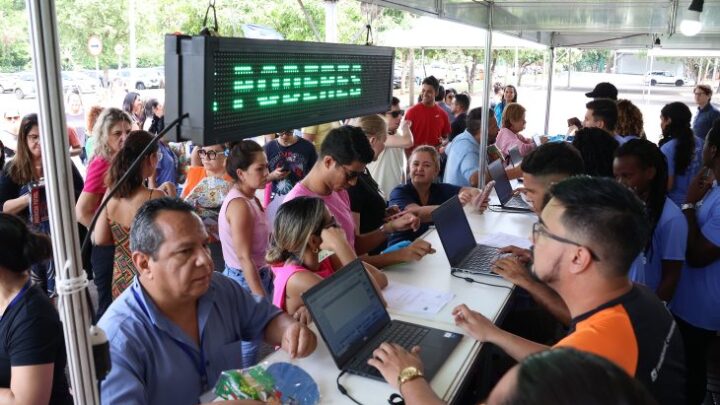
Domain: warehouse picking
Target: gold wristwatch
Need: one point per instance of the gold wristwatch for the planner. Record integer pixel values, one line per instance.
(408, 374)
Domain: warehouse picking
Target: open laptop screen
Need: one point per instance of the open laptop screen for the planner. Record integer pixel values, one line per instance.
(347, 310)
(503, 189)
(454, 230)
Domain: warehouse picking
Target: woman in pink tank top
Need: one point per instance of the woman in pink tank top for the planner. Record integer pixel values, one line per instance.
(303, 227)
(244, 229)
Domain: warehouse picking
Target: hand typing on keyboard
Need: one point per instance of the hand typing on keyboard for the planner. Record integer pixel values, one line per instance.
(513, 270)
(390, 359)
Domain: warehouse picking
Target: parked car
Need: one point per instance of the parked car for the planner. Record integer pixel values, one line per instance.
(24, 85)
(6, 82)
(664, 77)
(139, 79)
(79, 82)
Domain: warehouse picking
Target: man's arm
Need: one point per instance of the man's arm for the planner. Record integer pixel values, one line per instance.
(700, 250)
(483, 330)
(517, 273)
(294, 337)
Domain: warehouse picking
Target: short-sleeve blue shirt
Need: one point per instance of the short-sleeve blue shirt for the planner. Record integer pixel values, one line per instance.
(462, 159)
(668, 243)
(405, 194)
(704, 120)
(697, 298)
(150, 367)
(678, 193)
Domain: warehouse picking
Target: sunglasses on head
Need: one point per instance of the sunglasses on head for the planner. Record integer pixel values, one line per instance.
(395, 114)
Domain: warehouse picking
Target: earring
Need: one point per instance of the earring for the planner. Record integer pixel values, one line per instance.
(316, 250)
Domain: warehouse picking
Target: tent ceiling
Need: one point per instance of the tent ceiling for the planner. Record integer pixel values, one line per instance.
(579, 23)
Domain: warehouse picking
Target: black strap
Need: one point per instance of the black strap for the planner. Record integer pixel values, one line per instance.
(396, 399)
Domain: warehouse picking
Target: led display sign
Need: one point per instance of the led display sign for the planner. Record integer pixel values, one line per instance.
(235, 88)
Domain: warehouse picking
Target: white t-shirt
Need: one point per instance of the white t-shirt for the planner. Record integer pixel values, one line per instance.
(389, 169)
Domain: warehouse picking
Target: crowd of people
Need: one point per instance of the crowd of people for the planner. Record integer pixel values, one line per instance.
(201, 257)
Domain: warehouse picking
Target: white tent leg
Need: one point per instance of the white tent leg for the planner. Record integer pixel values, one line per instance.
(74, 310)
(487, 114)
(548, 100)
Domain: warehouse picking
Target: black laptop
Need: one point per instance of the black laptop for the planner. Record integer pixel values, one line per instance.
(461, 249)
(353, 322)
(504, 190)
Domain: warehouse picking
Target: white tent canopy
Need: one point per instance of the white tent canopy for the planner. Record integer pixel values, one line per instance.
(433, 33)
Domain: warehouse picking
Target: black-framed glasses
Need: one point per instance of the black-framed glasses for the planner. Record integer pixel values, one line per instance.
(395, 114)
(286, 132)
(350, 175)
(330, 223)
(209, 154)
(540, 228)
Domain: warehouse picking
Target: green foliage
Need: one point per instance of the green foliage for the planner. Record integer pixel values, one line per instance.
(79, 19)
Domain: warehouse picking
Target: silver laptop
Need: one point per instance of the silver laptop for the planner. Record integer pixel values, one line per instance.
(504, 190)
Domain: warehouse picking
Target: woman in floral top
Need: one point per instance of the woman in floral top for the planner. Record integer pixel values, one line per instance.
(205, 189)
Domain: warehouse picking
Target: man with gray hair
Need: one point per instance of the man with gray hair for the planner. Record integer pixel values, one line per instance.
(181, 324)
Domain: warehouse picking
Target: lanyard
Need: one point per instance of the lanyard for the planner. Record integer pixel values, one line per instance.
(188, 350)
(17, 298)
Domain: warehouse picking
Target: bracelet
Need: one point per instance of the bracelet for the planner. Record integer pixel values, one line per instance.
(384, 228)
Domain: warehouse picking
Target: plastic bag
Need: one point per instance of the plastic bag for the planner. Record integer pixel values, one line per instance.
(277, 383)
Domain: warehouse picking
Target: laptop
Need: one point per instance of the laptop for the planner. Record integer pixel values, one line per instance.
(515, 157)
(504, 190)
(353, 322)
(463, 253)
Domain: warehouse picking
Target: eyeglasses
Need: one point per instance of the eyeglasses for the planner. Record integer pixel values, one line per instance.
(350, 175)
(331, 223)
(287, 132)
(395, 114)
(210, 154)
(33, 138)
(540, 228)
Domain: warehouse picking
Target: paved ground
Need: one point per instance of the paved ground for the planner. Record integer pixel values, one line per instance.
(568, 101)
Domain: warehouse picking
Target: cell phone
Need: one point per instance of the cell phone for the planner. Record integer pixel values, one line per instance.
(477, 202)
(486, 191)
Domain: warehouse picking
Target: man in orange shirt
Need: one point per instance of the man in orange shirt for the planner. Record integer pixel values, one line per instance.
(589, 233)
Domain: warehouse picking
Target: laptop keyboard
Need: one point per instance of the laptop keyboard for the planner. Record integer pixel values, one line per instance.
(516, 202)
(480, 259)
(402, 334)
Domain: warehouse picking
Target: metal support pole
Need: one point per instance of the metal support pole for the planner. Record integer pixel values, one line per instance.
(411, 75)
(331, 21)
(487, 114)
(74, 310)
(548, 100)
(132, 17)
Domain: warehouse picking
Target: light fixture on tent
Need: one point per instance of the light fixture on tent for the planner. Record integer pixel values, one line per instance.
(656, 43)
(691, 25)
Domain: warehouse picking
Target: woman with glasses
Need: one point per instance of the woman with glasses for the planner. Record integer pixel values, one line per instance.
(290, 158)
(303, 228)
(389, 167)
(113, 225)
(421, 195)
(22, 192)
(205, 189)
(244, 228)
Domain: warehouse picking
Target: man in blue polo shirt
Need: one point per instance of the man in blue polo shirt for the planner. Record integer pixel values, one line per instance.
(707, 113)
(463, 152)
(181, 324)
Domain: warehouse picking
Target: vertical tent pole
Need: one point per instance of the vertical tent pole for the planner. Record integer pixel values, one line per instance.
(548, 100)
(411, 75)
(74, 310)
(487, 114)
